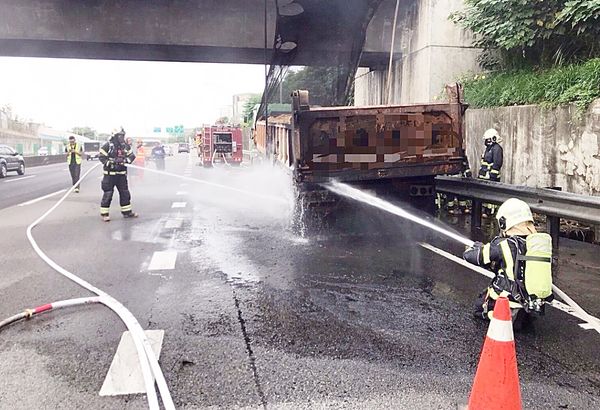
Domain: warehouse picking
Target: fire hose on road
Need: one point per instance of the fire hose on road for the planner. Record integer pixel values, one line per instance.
(29, 313)
(151, 370)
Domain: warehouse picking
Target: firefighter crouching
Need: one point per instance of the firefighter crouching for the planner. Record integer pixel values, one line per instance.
(521, 258)
(114, 154)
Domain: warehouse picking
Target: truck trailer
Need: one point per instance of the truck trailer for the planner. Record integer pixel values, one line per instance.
(220, 143)
(392, 149)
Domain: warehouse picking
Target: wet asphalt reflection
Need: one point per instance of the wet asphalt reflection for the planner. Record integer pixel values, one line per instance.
(363, 290)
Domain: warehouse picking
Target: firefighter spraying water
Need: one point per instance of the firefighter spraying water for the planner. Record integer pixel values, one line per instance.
(528, 251)
(521, 259)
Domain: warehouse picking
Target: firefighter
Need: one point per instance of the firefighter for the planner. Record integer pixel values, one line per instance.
(114, 154)
(158, 155)
(491, 163)
(521, 259)
(74, 153)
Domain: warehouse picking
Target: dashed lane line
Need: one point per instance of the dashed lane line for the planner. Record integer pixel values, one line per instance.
(179, 205)
(181, 193)
(163, 260)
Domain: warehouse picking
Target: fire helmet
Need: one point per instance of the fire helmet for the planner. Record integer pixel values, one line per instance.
(491, 134)
(512, 212)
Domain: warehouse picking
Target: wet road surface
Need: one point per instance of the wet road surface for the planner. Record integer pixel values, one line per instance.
(255, 316)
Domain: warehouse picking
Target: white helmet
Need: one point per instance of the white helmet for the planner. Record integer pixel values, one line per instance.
(512, 212)
(491, 134)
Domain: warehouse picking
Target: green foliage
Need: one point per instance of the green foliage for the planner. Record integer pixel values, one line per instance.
(85, 131)
(534, 32)
(249, 106)
(575, 83)
(321, 83)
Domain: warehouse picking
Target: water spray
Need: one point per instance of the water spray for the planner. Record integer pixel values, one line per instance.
(213, 184)
(350, 192)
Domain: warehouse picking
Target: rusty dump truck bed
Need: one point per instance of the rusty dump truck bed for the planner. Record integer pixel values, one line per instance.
(400, 145)
(372, 143)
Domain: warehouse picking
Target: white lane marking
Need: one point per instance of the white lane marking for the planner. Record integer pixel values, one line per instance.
(181, 193)
(125, 375)
(19, 179)
(163, 260)
(41, 198)
(173, 223)
(178, 204)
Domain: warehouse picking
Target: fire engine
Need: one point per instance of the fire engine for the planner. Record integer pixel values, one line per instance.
(220, 143)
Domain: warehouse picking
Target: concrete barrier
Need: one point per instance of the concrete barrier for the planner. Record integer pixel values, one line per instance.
(44, 160)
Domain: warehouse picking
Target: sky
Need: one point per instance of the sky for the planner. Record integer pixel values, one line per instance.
(137, 95)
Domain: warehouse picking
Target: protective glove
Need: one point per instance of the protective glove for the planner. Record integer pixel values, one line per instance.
(476, 245)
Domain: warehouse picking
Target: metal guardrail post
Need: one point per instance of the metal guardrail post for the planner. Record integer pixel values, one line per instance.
(475, 215)
(553, 228)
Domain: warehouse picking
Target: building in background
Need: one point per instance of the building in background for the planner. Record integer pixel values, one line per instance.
(239, 102)
(226, 111)
(28, 137)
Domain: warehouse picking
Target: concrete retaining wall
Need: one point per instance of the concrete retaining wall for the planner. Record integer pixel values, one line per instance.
(44, 160)
(542, 147)
(430, 51)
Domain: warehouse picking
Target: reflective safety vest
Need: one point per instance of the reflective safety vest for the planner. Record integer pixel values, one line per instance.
(77, 157)
(140, 156)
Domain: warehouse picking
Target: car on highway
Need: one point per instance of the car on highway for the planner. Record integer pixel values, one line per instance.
(183, 147)
(91, 149)
(10, 160)
(43, 151)
(168, 150)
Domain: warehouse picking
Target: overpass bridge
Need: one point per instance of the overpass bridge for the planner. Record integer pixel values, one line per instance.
(343, 33)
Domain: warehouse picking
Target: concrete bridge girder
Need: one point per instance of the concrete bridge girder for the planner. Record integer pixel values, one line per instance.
(225, 31)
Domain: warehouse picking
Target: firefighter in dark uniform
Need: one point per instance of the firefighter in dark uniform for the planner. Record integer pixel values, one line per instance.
(491, 163)
(521, 259)
(114, 154)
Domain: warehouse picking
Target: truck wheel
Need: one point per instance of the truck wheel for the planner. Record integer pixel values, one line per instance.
(21, 169)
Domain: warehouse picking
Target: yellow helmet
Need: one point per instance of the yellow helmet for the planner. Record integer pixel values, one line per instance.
(512, 212)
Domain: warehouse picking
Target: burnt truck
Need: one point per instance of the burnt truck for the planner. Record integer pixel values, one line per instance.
(392, 150)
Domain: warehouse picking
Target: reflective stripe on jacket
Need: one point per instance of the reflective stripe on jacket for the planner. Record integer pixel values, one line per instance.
(491, 162)
(500, 256)
(114, 156)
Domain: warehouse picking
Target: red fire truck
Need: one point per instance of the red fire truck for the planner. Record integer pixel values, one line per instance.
(220, 143)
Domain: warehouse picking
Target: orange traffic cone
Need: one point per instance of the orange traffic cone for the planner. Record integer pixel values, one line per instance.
(496, 384)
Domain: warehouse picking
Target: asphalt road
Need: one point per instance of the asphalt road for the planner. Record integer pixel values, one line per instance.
(37, 182)
(256, 316)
